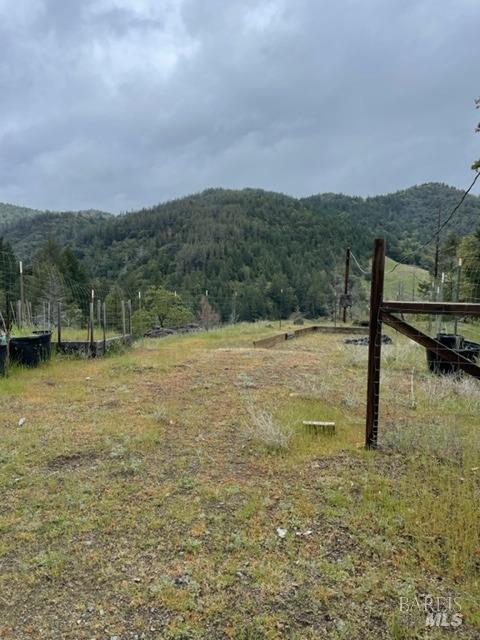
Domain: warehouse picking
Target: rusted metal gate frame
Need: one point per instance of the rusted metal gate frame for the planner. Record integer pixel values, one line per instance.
(381, 311)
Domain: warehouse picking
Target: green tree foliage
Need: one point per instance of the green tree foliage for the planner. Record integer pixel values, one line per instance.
(469, 251)
(56, 275)
(8, 279)
(166, 307)
(259, 254)
(142, 321)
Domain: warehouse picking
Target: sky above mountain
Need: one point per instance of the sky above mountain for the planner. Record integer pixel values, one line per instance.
(117, 104)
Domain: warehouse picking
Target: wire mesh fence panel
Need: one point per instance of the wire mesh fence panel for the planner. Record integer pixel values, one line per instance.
(424, 388)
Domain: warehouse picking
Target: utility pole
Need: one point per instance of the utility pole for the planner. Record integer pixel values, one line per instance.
(437, 249)
(345, 288)
(435, 289)
(440, 295)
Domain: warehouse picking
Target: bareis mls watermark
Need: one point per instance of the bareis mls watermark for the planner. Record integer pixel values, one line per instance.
(442, 611)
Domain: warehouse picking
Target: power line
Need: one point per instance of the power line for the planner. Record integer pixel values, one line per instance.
(443, 225)
(358, 264)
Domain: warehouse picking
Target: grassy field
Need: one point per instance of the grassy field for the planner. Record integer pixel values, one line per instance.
(404, 279)
(171, 492)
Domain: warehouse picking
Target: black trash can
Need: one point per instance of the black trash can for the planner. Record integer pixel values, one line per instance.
(470, 350)
(466, 348)
(45, 345)
(30, 351)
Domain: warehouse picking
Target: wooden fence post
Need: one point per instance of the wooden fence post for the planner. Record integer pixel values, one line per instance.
(345, 286)
(13, 314)
(91, 325)
(104, 323)
(124, 329)
(375, 344)
(59, 323)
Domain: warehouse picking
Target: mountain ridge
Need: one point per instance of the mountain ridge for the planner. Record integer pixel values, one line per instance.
(273, 251)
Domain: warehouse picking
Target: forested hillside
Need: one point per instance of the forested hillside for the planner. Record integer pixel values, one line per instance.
(257, 253)
(406, 218)
(268, 250)
(11, 214)
(31, 229)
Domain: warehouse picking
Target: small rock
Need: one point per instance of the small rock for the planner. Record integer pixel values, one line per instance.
(308, 532)
(21, 422)
(281, 533)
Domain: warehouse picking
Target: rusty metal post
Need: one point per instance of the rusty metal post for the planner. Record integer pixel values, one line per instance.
(375, 344)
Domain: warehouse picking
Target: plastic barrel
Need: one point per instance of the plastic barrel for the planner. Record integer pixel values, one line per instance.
(466, 348)
(46, 344)
(470, 350)
(30, 351)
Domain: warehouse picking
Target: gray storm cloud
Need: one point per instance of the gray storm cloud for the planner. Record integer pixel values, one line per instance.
(117, 104)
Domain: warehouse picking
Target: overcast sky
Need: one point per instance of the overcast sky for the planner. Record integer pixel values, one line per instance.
(118, 104)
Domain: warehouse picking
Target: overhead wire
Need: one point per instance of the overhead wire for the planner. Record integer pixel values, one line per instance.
(442, 226)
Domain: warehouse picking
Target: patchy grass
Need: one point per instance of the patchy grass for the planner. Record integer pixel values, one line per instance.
(69, 334)
(404, 279)
(134, 506)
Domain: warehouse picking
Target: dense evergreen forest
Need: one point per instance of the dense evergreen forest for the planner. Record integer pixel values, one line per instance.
(254, 253)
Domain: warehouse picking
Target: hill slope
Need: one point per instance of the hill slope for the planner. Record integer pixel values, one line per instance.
(11, 214)
(270, 251)
(406, 218)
